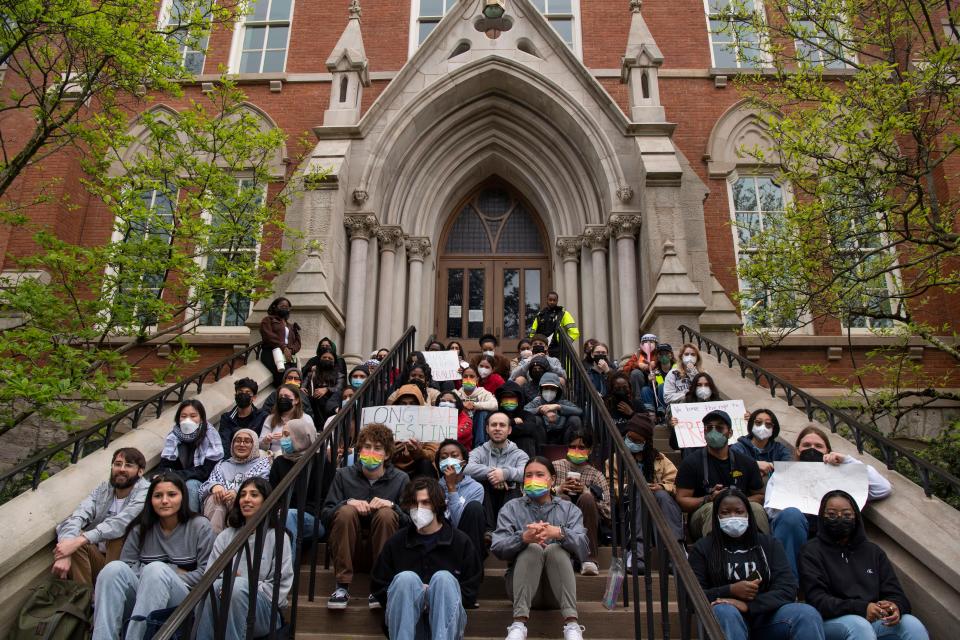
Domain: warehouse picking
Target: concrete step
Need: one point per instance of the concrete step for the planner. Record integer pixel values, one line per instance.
(604, 555)
(489, 620)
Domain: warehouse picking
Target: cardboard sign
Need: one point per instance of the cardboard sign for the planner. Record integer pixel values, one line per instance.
(803, 484)
(690, 420)
(444, 365)
(426, 424)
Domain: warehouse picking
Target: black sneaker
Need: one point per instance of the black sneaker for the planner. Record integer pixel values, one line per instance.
(338, 599)
(373, 603)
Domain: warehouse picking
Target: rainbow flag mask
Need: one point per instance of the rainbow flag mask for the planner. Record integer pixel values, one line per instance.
(371, 460)
(577, 456)
(535, 488)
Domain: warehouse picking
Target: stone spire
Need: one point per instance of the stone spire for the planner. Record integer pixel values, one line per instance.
(639, 69)
(348, 64)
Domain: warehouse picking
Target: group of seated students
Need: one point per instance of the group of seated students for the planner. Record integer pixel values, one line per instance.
(421, 517)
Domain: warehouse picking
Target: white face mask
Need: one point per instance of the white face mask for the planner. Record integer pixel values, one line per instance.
(446, 404)
(484, 371)
(704, 393)
(188, 427)
(734, 526)
(762, 431)
(421, 517)
(689, 360)
(488, 354)
(549, 395)
(526, 353)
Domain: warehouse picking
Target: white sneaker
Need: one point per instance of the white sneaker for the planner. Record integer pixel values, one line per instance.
(517, 631)
(589, 569)
(573, 631)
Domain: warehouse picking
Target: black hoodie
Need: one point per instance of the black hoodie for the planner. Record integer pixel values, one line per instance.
(339, 363)
(841, 579)
(526, 434)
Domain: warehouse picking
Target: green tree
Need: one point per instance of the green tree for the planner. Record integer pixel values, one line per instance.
(861, 100)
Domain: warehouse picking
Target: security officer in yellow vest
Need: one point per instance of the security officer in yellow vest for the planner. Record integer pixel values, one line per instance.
(551, 320)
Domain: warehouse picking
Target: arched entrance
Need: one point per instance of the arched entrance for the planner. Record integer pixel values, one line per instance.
(493, 268)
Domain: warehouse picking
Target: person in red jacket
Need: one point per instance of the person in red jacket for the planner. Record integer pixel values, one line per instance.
(450, 400)
(489, 378)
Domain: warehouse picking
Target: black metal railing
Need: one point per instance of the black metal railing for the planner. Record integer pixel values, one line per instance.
(926, 474)
(30, 472)
(635, 506)
(328, 451)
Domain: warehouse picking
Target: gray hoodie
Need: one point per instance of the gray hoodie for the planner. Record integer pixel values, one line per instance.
(90, 518)
(519, 512)
(485, 459)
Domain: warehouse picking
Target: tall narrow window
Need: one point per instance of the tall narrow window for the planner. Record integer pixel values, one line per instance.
(819, 40)
(344, 84)
(237, 248)
(734, 42)
(559, 13)
(431, 12)
(177, 20)
(266, 34)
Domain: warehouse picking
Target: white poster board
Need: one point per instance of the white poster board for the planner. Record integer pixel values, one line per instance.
(690, 420)
(803, 484)
(444, 365)
(426, 424)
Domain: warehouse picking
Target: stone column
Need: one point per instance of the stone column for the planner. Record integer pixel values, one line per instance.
(389, 239)
(359, 227)
(588, 326)
(596, 237)
(569, 252)
(624, 229)
(417, 250)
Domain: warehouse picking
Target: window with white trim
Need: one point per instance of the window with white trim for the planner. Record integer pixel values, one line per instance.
(176, 19)
(757, 202)
(734, 42)
(264, 37)
(238, 248)
(821, 36)
(561, 14)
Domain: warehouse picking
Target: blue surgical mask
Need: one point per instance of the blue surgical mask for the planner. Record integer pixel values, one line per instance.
(356, 383)
(450, 462)
(634, 447)
(286, 445)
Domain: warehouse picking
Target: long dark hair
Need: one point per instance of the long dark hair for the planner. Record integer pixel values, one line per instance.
(692, 391)
(235, 517)
(541, 460)
(719, 541)
(196, 404)
(149, 518)
(272, 309)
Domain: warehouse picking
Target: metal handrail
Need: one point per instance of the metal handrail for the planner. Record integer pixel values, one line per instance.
(624, 474)
(324, 451)
(891, 451)
(101, 434)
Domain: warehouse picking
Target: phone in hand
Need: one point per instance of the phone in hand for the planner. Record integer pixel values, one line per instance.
(754, 575)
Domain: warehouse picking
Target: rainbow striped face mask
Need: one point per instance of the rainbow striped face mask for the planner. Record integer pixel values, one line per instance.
(371, 460)
(577, 456)
(535, 488)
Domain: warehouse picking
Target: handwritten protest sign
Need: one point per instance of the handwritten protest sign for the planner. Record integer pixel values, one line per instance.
(803, 484)
(426, 424)
(690, 420)
(444, 365)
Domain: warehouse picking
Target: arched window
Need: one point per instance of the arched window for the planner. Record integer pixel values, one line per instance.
(494, 222)
(344, 83)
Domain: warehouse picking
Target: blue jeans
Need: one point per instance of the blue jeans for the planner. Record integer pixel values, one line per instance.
(415, 613)
(121, 595)
(790, 527)
(651, 401)
(479, 427)
(308, 523)
(193, 494)
(236, 628)
(792, 621)
(857, 628)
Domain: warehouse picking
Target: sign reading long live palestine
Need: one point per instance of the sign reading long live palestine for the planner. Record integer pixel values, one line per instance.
(426, 424)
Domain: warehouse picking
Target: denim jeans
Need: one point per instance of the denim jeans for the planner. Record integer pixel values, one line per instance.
(790, 527)
(308, 523)
(653, 401)
(857, 628)
(121, 595)
(193, 495)
(415, 613)
(236, 628)
(792, 621)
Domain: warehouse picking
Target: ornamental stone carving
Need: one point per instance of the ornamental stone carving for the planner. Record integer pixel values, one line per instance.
(636, 5)
(595, 237)
(624, 226)
(417, 249)
(569, 249)
(360, 196)
(625, 193)
(389, 238)
(361, 225)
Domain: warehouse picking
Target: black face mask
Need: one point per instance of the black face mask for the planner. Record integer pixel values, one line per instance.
(324, 349)
(620, 394)
(538, 348)
(810, 455)
(284, 404)
(326, 365)
(283, 313)
(536, 373)
(243, 400)
(839, 528)
(599, 357)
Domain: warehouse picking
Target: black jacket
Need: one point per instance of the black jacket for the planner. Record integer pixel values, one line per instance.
(405, 551)
(278, 471)
(229, 426)
(778, 590)
(841, 580)
(350, 484)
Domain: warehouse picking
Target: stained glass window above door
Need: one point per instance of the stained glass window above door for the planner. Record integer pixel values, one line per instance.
(494, 221)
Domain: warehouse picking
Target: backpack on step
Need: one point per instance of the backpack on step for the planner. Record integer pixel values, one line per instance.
(58, 610)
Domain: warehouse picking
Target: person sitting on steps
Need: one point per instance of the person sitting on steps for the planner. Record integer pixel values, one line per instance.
(497, 464)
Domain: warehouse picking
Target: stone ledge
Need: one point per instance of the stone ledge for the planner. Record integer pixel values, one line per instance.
(803, 342)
